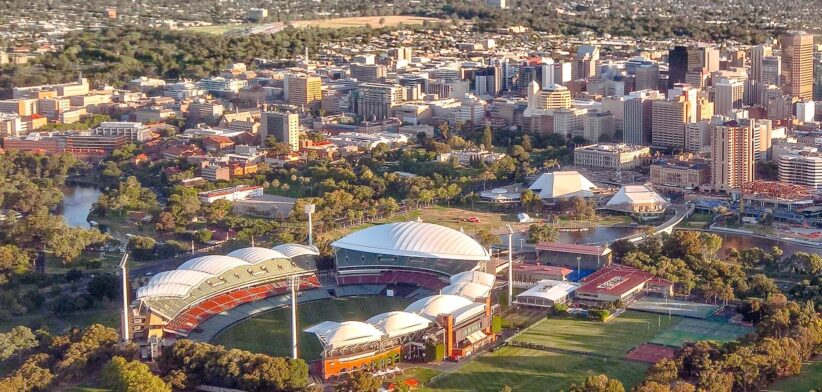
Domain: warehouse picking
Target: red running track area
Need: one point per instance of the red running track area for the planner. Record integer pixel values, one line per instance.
(650, 353)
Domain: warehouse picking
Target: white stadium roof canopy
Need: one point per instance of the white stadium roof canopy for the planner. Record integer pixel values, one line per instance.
(164, 290)
(294, 250)
(186, 277)
(435, 305)
(255, 255)
(478, 277)
(562, 184)
(398, 323)
(415, 239)
(213, 264)
(469, 290)
(335, 335)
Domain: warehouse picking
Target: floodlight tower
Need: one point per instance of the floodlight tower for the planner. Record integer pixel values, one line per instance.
(294, 281)
(510, 266)
(125, 338)
(309, 209)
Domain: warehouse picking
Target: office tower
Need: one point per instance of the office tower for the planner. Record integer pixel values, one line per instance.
(303, 89)
(400, 53)
(797, 64)
(488, 81)
(691, 94)
(703, 57)
(563, 73)
(817, 77)
(501, 4)
(375, 100)
(568, 122)
(771, 71)
(597, 125)
(728, 96)
(668, 119)
(732, 156)
(697, 136)
(551, 97)
(803, 168)
(764, 133)
(758, 54)
(368, 73)
(646, 76)
(805, 111)
(284, 127)
(526, 75)
(637, 120)
(585, 62)
(677, 65)
(615, 105)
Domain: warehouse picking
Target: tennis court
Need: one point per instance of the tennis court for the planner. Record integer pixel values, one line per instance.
(691, 330)
(674, 307)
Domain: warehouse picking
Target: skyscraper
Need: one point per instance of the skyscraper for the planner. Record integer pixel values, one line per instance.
(758, 54)
(732, 153)
(637, 117)
(771, 71)
(668, 119)
(677, 65)
(817, 77)
(728, 96)
(303, 89)
(375, 100)
(797, 64)
(285, 127)
(585, 63)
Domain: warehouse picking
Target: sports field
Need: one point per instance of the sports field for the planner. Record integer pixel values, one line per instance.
(527, 370)
(810, 379)
(691, 330)
(674, 307)
(270, 333)
(614, 338)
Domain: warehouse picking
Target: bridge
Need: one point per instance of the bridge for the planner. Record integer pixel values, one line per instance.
(681, 212)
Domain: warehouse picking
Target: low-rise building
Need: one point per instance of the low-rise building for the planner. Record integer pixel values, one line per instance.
(677, 176)
(612, 156)
(231, 194)
(529, 275)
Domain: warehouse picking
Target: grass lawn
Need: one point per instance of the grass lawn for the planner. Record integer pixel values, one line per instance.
(809, 379)
(423, 375)
(613, 338)
(269, 333)
(526, 370)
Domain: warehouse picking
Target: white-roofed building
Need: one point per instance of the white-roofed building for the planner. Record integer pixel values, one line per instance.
(409, 245)
(347, 334)
(547, 293)
(480, 277)
(562, 185)
(398, 323)
(255, 255)
(638, 200)
(472, 291)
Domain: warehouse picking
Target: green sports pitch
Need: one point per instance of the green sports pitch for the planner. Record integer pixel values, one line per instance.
(270, 333)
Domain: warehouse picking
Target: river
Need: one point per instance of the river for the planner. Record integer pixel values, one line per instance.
(77, 203)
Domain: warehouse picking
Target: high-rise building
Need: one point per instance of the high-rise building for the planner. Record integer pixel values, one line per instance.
(402, 53)
(677, 65)
(585, 62)
(303, 89)
(732, 156)
(697, 136)
(551, 97)
(284, 127)
(691, 95)
(728, 96)
(367, 73)
(703, 57)
(488, 81)
(758, 54)
(803, 168)
(817, 79)
(598, 125)
(375, 100)
(668, 121)
(637, 117)
(797, 64)
(647, 76)
(771, 71)
(557, 73)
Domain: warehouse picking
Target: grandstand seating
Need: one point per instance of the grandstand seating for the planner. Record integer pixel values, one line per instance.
(188, 319)
(420, 279)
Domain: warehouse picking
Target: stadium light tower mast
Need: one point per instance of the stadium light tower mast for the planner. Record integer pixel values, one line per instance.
(294, 281)
(125, 338)
(510, 266)
(309, 209)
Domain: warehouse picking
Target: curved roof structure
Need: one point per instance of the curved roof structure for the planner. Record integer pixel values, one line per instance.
(213, 264)
(255, 255)
(562, 184)
(479, 277)
(435, 305)
(415, 239)
(334, 335)
(630, 197)
(164, 290)
(470, 290)
(186, 277)
(294, 250)
(398, 323)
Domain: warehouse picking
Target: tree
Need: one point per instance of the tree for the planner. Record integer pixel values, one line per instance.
(540, 232)
(18, 339)
(142, 247)
(359, 382)
(600, 383)
(664, 371)
(505, 388)
(132, 376)
(486, 238)
(165, 222)
(13, 260)
(204, 235)
(487, 139)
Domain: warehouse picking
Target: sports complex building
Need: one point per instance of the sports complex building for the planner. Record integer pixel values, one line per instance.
(440, 268)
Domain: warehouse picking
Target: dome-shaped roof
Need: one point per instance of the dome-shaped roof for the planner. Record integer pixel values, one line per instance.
(398, 323)
(469, 290)
(294, 250)
(479, 277)
(213, 264)
(164, 290)
(415, 239)
(435, 305)
(256, 255)
(348, 333)
(186, 277)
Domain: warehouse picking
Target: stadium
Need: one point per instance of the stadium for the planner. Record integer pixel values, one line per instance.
(438, 268)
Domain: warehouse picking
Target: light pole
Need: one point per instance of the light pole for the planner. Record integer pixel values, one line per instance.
(125, 319)
(309, 209)
(510, 266)
(579, 271)
(294, 283)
